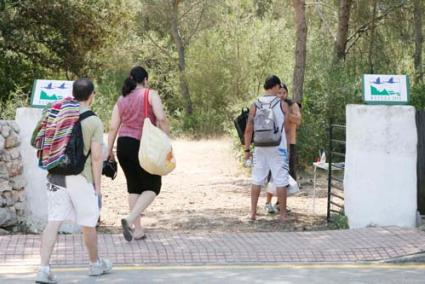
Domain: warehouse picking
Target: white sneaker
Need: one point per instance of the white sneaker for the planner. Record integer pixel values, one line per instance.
(269, 208)
(44, 277)
(102, 266)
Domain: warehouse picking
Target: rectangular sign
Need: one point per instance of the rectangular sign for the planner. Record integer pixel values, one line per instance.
(45, 92)
(385, 89)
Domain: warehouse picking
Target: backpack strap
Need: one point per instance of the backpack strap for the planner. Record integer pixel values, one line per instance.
(86, 114)
(258, 104)
(281, 108)
(274, 102)
(83, 116)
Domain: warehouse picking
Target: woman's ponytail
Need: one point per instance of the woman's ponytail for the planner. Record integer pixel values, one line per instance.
(138, 75)
(128, 87)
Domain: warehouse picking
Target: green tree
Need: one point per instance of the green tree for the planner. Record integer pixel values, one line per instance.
(41, 38)
(178, 22)
(300, 49)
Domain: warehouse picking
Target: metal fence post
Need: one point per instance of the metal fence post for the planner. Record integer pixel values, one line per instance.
(328, 215)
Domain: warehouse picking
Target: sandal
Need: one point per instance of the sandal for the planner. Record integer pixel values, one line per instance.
(127, 232)
(140, 238)
(247, 218)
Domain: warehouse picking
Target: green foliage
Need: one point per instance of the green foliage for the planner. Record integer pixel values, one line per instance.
(262, 7)
(324, 101)
(417, 98)
(227, 66)
(61, 39)
(230, 47)
(107, 93)
(15, 100)
(338, 222)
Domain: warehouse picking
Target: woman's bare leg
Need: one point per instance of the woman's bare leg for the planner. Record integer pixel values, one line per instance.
(141, 203)
(132, 199)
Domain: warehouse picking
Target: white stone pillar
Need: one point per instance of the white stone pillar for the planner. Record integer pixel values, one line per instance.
(35, 191)
(380, 166)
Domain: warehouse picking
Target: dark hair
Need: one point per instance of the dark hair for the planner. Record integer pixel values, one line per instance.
(137, 76)
(82, 89)
(288, 101)
(271, 81)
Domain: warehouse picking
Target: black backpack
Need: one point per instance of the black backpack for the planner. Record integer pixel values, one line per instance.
(74, 161)
(240, 124)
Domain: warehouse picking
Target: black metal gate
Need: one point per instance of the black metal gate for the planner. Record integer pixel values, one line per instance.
(336, 160)
(420, 124)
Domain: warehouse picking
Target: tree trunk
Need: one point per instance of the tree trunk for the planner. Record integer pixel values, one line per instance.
(419, 72)
(300, 49)
(178, 41)
(342, 32)
(372, 38)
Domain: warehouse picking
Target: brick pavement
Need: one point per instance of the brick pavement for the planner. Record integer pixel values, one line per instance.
(371, 244)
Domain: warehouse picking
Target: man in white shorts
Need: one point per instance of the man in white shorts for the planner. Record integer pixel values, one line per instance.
(267, 159)
(75, 197)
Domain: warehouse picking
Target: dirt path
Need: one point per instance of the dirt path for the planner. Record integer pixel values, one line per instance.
(208, 191)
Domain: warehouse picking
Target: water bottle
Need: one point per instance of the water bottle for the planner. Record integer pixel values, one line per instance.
(323, 158)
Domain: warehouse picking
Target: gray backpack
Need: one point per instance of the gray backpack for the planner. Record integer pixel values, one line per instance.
(267, 132)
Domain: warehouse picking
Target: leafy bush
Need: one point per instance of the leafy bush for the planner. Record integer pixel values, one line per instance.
(418, 97)
(338, 222)
(15, 100)
(107, 92)
(324, 101)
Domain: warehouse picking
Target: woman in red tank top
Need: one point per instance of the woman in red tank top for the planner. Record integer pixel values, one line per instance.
(127, 123)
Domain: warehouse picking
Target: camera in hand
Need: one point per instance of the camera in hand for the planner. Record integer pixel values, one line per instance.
(110, 169)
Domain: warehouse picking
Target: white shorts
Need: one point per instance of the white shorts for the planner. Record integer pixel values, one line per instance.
(274, 159)
(77, 202)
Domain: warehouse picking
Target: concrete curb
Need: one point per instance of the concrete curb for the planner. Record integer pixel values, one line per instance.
(413, 258)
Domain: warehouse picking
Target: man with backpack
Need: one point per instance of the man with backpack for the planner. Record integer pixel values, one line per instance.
(267, 125)
(69, 140)
(294, 119)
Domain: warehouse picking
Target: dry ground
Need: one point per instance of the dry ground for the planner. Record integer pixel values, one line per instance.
(210, 191)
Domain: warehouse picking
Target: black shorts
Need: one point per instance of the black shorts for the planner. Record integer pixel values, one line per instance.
(138, 180)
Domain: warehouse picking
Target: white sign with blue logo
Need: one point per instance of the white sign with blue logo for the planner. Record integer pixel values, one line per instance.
(45, 92)
(385, 89)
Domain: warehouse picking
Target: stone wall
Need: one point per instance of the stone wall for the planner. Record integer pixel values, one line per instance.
(12, 182)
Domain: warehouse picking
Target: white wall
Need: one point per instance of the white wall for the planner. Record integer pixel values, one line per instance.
(35, 191)
(380, 170)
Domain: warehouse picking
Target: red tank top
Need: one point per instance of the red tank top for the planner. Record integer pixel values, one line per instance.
(131, 109)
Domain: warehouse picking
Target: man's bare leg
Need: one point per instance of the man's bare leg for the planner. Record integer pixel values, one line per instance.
(48, 241)
(138, 230)
(269, 198)
(282, 194)
(90, 240)
(255, 194)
